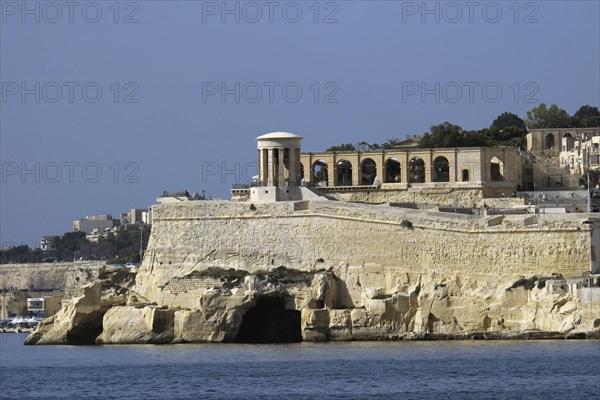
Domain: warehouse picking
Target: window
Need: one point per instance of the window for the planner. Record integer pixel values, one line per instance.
(465, 175)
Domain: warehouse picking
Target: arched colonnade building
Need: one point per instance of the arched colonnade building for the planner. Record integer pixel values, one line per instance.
(410, 166)
(445, 176)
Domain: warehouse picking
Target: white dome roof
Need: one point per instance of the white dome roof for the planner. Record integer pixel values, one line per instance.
(279, 135)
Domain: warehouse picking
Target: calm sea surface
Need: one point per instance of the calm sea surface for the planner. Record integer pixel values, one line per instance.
(373, 370)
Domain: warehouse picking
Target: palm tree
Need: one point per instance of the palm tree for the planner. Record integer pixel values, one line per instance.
(391, 142)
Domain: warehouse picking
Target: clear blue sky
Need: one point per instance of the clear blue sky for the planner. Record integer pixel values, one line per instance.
(371, 57)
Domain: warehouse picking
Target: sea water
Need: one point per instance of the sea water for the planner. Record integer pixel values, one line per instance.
(349, 370)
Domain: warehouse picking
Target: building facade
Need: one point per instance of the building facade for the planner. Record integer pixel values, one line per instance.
(45, 306)
(98, 222)
(559, 157)
(459, 177)
(550, 141)
(581, 154)
(414, 166)
(47, 242)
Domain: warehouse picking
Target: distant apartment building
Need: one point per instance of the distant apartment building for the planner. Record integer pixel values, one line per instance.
(135, 215)
(44, 306)
(124, 219)
(98, 222)
(47, 243)
(98, 226)
(581, 154)
(147, 216)
(95, 235)
(40, 303)
(562, 156)
(591, 152)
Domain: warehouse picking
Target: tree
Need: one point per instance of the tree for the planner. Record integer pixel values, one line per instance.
(509, 136)
(587, 116)
(124, 246)
(507, 119)
(541, 117)
(449, 135)
(443, 135)
(360, 146)
(16, 254)
(594, 178)
(391, 142)
(363, 146)
(479, 138)
(69, 244)
(342, 147)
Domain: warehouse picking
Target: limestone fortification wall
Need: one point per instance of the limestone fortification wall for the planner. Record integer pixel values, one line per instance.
(62, 276)
(320, 234)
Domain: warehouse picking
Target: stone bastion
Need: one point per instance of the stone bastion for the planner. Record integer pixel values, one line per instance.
(354, 272)
(316, 234)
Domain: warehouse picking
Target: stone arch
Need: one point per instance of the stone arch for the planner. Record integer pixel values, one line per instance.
(343, 174)
(569, 145)
(268, 321)
(393, 171)
(549, 142)
(416, 170)
(441, 170)
(368, 171)
(496, 169)
(320, 173)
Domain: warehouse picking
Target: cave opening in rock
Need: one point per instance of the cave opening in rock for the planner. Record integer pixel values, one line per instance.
(86, 329)
(269, 322)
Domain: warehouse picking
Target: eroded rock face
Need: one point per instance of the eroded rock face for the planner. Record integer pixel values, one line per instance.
(80, 320)
(129, 324)
(385, 305)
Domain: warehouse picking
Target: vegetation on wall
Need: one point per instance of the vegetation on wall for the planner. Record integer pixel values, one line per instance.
(234, 277)
(406, 224)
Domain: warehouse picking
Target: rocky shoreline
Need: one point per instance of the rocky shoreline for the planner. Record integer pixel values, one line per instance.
(318, 306)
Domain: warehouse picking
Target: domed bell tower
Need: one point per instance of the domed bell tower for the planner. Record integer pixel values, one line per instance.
(279, 171)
